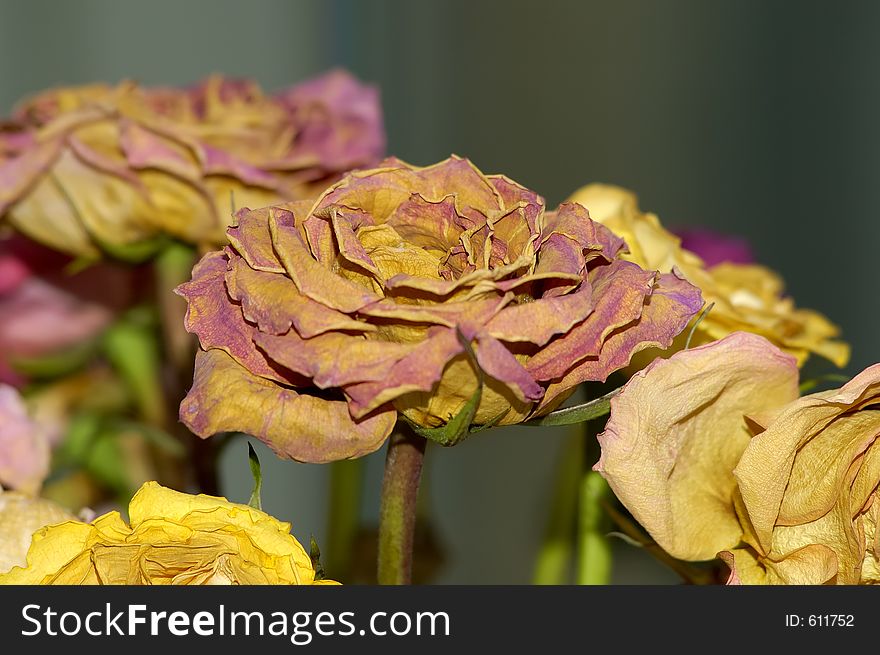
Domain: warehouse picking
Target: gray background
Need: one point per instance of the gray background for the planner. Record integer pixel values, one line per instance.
(752, 117)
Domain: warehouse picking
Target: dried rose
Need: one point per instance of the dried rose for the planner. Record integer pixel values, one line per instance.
(716, 455)
(322, 321)
(95, 168)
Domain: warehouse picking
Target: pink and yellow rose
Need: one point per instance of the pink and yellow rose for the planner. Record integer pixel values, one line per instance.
(322, 321)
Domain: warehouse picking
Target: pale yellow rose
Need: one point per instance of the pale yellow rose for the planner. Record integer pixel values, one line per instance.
(808, 484)
(676, 432)
(20, 516)
(714, 453)
(171, 538)
(746, 297)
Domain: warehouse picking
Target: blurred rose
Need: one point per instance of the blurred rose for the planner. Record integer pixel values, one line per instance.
(20, 517)
(44, 310)
(746, 297)
(324, 320)
(715, 248)
(714, 454)
(24, 445)
(97, 167)
(171, 538)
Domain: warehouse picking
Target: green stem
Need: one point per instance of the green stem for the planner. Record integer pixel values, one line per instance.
(343, 517)
(558, 546)
(397, 512)
(173, 266)
(593, 546)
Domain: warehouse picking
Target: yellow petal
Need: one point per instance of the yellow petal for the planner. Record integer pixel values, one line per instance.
(676, 432)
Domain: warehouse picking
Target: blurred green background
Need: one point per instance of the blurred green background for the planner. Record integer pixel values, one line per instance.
(752, 117)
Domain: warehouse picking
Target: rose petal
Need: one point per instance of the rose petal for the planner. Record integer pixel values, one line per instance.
(218, 322)
(225, 397)
(676, 432)
(274, 303)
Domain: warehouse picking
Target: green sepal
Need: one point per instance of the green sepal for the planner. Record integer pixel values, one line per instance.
(578, 413)
(255, 500)
(134, 253)
(315, 556)
(458, 428)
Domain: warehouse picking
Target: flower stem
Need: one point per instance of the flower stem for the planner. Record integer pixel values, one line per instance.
(558, 546)
(173, 266)
(343, 516)
(397, 512)
(593, 547)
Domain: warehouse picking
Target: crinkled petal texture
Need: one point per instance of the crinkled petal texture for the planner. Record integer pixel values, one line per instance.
(172, 538)
(809, 483)
(678, 429)
(21, 516)
(320, 322)
(96, 168)
(746, 297)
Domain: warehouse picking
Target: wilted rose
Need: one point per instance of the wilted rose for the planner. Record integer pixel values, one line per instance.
(45, 310)
(322, 321)
(115, 167)
(746, 297)
(171, 538)
(808, 483)
(715, 455)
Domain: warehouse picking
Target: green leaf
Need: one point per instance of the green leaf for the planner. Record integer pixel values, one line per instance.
(458, 428)
(315, 556)
(56, 364)
(132, 347)
(577, 414)
(257, 472)
(106, 462)
(133, 253)
(81, 433)
(152, 435)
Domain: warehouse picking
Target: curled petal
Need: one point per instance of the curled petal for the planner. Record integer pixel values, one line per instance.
(794, 470)
(226, 397)
(274, 303)
(217, 320)
(676, 432)
(619, 294)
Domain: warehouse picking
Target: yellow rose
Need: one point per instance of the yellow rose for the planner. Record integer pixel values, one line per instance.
(171, 538)
(746, 297)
